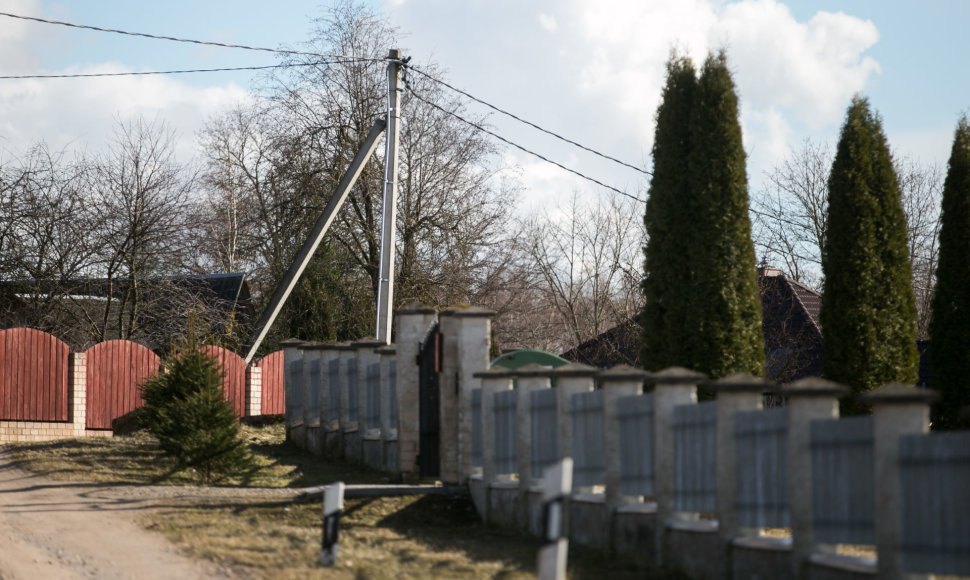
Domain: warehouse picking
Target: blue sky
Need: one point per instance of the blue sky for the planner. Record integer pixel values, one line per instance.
(589, 69)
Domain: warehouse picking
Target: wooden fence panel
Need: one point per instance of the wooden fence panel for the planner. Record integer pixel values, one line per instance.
(272, 399)
(33, 376)
(116, 371)
(234, 379)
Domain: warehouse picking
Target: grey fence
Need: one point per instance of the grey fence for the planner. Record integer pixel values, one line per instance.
(476, 427)
(293, 390)
(761, 439)
(843, 480)
(545, 430)
(352, 402)
(506, 452)
(589, 455)
(635, 416)
(372, 399)
(333, 410)
(392, 379)
(313, 394)
(935, 477)
(695, 468)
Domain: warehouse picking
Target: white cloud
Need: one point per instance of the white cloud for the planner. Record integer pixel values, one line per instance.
(547, 22)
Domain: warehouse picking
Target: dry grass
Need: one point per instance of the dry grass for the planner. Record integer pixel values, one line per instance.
(390, 537)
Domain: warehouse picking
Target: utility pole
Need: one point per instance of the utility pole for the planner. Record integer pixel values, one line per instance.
(385, 287)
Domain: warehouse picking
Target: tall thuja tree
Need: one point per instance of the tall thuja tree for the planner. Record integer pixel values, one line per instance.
(723, 310)
(667, 222)
(950, 322)
(868, 310)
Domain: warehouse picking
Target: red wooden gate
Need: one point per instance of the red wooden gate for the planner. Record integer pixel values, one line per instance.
(33, 376)
(234, 379)
(272, 398)
(116, 371)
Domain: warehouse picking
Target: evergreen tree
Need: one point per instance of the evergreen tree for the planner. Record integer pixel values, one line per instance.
(950, 322)
(186, 410)
(702, 307)
(724, 317)
(868, 310)
(667, 223)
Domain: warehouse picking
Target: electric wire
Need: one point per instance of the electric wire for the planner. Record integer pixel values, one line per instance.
(359, 59)
(529, 123)
(184, 40)
(158, 72)
(520, 147)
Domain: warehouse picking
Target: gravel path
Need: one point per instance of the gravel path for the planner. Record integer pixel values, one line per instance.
(56, 530)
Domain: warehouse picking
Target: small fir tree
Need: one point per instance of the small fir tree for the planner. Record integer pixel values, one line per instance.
(868, 311)
(667, 224)
(950, 322)
(186, 410)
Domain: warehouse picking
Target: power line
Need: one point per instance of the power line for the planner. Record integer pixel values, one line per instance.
(159, 72)
(529, 123)
(177, 39)
(520, 147)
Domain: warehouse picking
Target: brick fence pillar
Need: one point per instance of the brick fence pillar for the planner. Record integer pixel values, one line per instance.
(77, 385)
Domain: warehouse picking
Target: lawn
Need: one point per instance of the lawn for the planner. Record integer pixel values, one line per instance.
(431, 536)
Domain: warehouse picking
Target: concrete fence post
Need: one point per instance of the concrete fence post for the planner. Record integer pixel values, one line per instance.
(312, 377)
(808, 400)
(736, 393)
(494, 380)
(371, 446)
(672, 387)
(616, 383)
(329, 409)
(292, 388)
(387, 355)
(412, 325)
(897, 409)
(571, 379)
(529, 378)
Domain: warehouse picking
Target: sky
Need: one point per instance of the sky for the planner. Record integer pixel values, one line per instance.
(590, 70)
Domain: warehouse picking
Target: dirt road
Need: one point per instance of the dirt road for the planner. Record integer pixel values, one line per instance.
(54, 530)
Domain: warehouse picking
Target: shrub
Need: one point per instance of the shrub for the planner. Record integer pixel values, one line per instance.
(185, 409)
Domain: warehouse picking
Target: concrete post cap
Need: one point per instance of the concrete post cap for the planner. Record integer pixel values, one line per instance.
(368, 343)
(898, 393)
(532, 370)
(467, 311)
(411, 309)
(387, 349)
(742, 382)
(814, 387)
(623, 373)
(677, 376)
(575, 369)
(495, 373)
(291, 343)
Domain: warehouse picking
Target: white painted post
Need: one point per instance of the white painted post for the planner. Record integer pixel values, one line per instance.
(412, 324)
(808, 399)
(672, 387)
(558, 484)
(897, 409)
(333, 503)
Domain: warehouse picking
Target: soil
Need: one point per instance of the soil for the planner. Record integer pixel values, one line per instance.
(61, 530)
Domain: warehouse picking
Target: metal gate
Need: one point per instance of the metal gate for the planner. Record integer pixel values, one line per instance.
(429, 363)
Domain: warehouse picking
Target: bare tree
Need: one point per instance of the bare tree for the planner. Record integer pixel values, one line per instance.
(140, 202)
(791, 212)
(588, 265)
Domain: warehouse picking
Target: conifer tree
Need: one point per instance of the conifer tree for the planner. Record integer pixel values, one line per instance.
(702, 309)
(724, 314)
(950, 322)
(666, 223)
(868, 310)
